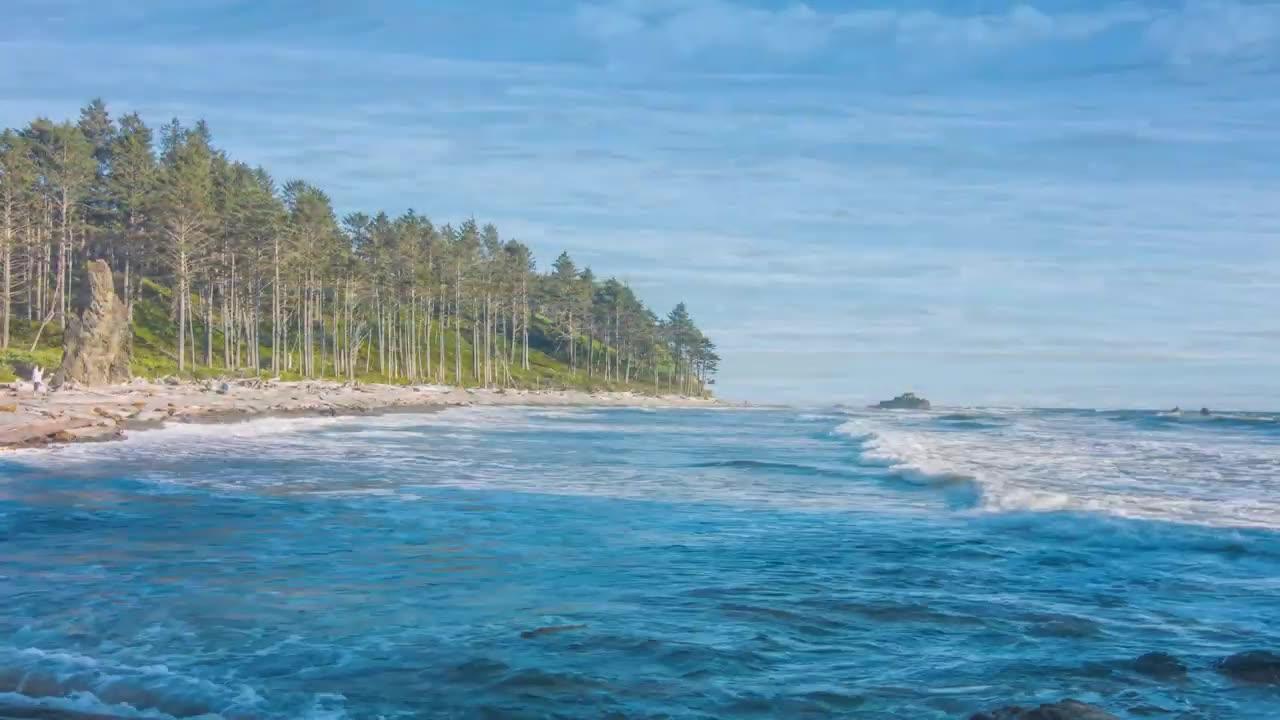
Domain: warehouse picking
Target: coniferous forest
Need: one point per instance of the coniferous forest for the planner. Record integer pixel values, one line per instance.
(227, 271)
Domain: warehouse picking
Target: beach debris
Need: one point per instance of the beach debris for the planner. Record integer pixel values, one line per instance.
(42, 433)
(93, 433)
(97, 346)
(1065, 710)
(105, 413)
(1255, 666)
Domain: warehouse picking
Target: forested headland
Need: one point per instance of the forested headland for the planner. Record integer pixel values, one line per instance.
(228, 272)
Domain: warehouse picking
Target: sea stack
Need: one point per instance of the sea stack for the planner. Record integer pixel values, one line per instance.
(905, 401)
(97, 346)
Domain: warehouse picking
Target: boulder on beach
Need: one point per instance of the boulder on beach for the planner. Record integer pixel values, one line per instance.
(905, 401)
(1255, 666)
(97, 346)
(1065, 710)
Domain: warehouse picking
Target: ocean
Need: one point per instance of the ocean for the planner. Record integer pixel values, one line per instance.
(611, 563)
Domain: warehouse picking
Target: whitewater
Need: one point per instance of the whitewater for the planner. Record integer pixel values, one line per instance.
(1213, 470)
(605, 562)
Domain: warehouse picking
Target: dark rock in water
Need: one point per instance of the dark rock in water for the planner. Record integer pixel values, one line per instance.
(1255, 666)
(552, 630)
(97, 346)
(1065, 710)
(905, 401)
(1160, 665)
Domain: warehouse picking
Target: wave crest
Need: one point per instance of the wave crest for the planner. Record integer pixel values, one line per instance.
(1082, 462)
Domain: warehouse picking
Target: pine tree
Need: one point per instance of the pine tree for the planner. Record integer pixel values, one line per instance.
(66, 169)
(131, 189)
(246, 259)
(17, 179)
(184, 211)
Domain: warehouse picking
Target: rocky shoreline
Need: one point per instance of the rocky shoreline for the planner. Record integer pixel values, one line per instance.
(29, 419)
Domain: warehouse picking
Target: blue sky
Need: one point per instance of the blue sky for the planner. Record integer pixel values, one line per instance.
(1055, 203)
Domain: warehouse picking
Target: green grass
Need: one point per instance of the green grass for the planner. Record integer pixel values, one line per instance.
(155, 337)
(17, 361)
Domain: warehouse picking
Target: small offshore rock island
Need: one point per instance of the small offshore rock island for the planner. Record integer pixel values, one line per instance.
(905, 401)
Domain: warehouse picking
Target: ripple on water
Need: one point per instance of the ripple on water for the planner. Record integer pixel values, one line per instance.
(633, 565)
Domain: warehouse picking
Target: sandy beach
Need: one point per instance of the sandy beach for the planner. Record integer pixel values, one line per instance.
(29, 419)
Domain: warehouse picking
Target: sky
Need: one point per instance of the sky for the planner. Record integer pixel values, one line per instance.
(1051, 202)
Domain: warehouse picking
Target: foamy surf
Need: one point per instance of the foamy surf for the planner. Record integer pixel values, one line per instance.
(1132, 465)
(33, 680)
(1083, 462)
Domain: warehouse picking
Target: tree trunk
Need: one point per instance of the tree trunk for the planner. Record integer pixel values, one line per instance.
(524, 294)
(457, 330)
(275, 307)
(208, 327)
(6, 306)
(444, 328)
(181, 289)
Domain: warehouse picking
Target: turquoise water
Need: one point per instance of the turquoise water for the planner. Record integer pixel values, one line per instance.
(512, 563)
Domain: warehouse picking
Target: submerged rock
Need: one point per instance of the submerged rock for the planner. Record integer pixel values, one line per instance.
(1160, 665)
(905, 401)
(98, 344)
(550, 630)
(1255, 666)
(1065, 710)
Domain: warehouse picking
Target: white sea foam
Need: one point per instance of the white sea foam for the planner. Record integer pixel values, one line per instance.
(1085, 462)
(564, 414)
(1210, 473)
(59, 681)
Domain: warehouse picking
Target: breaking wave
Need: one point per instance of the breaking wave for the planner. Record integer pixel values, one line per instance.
(1221, 472)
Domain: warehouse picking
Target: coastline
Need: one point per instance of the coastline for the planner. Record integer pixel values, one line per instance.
(108, 413)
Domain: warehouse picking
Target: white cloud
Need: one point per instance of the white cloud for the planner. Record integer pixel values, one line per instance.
(692, 26)
(1218, 30)
(1196, 31)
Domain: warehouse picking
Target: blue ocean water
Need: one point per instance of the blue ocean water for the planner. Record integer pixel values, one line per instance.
(526, 563)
